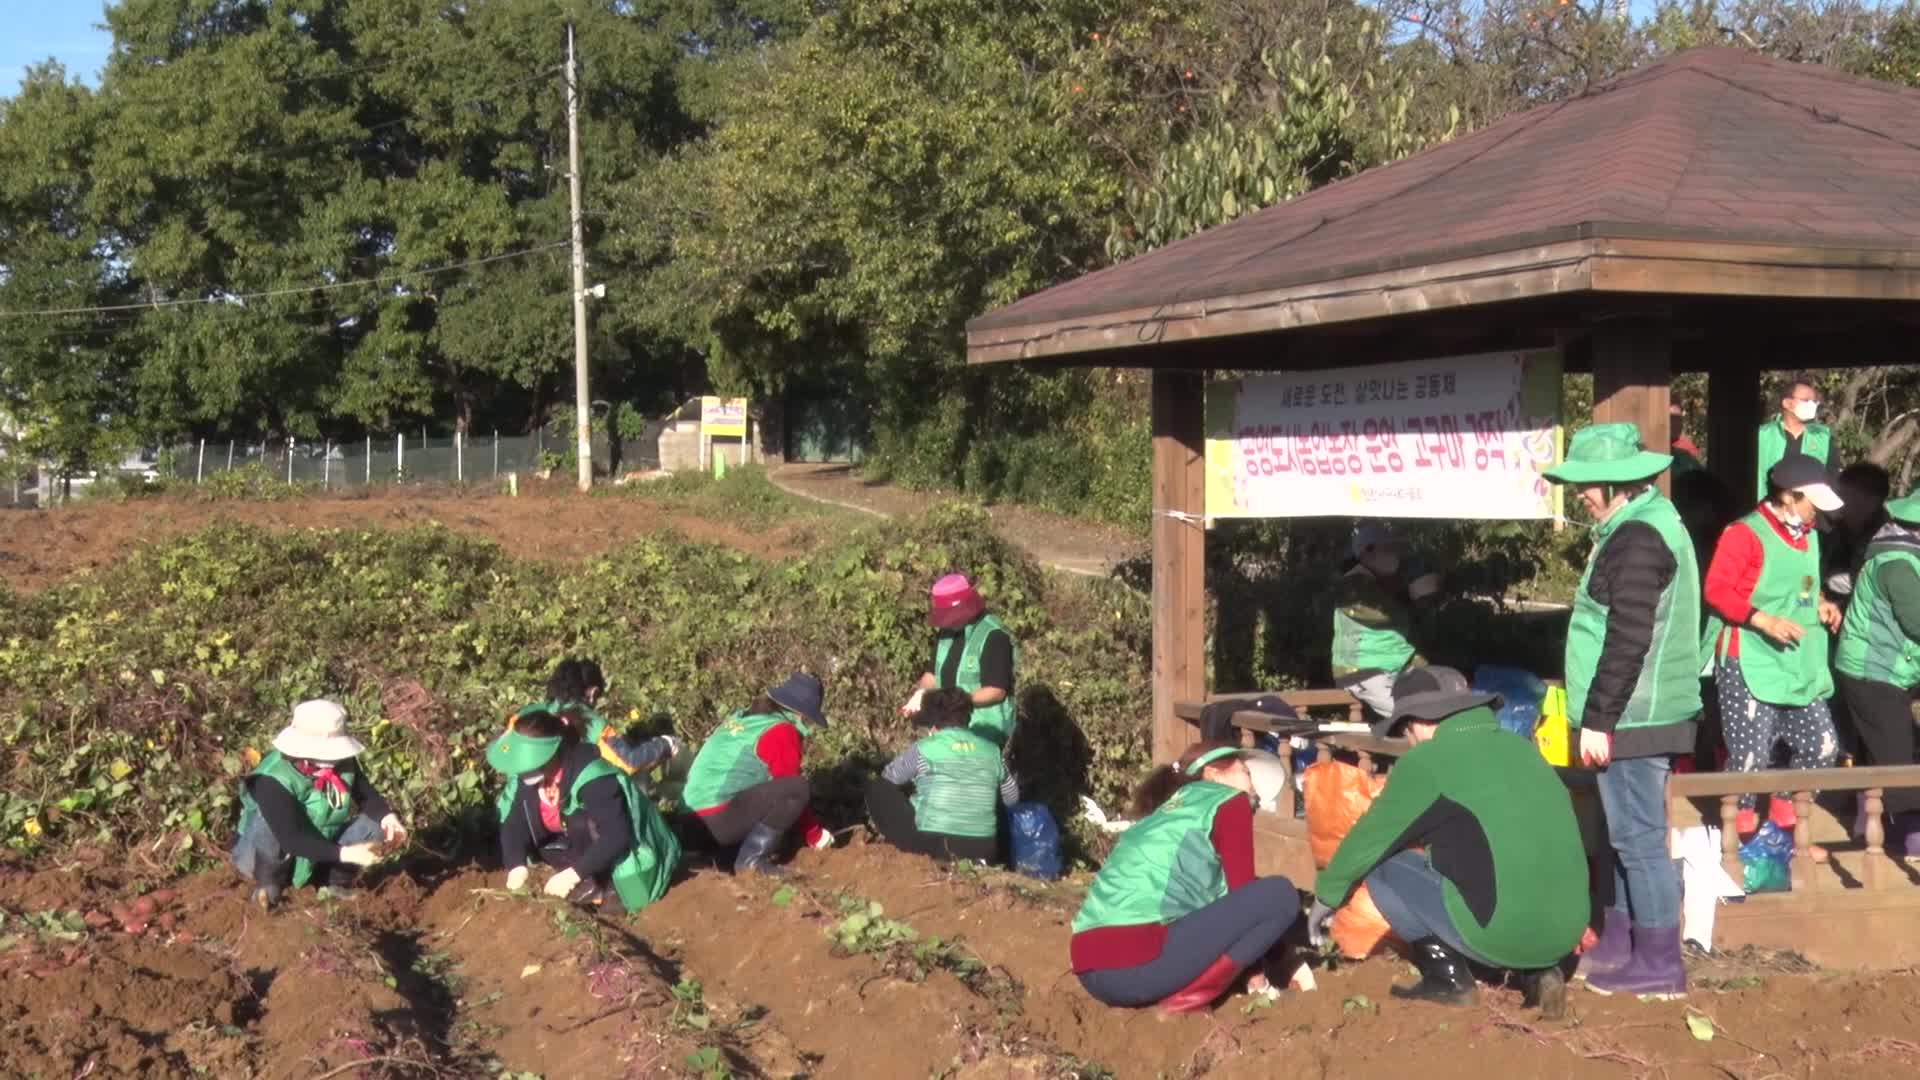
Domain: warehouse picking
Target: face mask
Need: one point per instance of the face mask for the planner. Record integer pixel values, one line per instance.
(535, 780)
(1790, 519)
(1806, 410)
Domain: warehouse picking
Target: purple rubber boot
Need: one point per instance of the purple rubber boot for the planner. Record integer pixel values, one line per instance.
(1614, 949)
(1656, 971)
(1903, 836)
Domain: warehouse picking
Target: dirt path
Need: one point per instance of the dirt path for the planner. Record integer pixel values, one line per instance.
(1064, 543)
(863, 962)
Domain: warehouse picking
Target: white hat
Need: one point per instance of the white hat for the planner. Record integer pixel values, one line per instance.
(318, 732)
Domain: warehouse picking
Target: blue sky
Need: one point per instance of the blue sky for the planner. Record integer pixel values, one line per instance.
(32, 30)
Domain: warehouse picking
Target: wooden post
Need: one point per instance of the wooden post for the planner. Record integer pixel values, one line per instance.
(1873, 808)
(1733, 416)
(1729, 835)
(1632, 381)
(1179, 554)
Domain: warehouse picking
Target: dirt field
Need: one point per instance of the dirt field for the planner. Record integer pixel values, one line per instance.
(38, 548)
(435, 972)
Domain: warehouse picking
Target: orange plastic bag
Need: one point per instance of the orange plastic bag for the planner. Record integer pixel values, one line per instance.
(1337, 794)
(1358, 927)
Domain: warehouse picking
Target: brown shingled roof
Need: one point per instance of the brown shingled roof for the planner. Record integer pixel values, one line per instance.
(1712, 145)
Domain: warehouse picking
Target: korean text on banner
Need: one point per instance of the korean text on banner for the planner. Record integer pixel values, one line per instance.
(723, 416)
(1462, 437)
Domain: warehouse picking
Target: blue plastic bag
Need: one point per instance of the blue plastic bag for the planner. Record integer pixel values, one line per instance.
(1521, 693)
(1035, 840)
(1764, 861)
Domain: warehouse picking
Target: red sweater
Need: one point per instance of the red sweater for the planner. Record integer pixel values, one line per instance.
(1130, 946)
(1734, 572)
(780, 747)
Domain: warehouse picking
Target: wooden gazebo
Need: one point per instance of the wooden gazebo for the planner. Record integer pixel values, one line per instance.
(1716, 211)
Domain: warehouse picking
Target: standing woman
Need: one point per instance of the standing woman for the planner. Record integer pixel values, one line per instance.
(1633, 687)
(1878, 663)
(1770, 634)
(579, 814)
(745, 785)
(1176, 914)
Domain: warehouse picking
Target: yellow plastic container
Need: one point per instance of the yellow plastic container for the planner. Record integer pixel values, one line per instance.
(1552, 733)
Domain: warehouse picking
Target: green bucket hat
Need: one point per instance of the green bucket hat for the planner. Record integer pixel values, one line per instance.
(1607, 454)
(513, 753)
(1907, 509)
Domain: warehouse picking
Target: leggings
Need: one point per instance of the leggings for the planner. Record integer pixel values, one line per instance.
(1883, 718)
(1243, 925)
(892, 814)
(775, 803)
(1752, 727)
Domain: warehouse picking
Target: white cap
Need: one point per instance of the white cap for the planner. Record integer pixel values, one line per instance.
(318, 732)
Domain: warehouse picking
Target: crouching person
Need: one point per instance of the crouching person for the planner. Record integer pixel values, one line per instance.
(573, 694)
(745, 787)
(307, 812)
(1176, 914)
(567, 806)
(959, 781)
(1503, 877)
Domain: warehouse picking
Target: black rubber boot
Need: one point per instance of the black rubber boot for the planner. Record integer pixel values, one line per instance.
(340, 879)
(758, 850)
(1545, 990)
(270, 879)
(1445, 978)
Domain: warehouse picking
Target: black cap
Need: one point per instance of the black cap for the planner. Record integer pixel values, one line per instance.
(1431, 693)
(1798, 472)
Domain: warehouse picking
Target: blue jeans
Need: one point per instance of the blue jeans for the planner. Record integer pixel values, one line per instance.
(1408, 892)
(259, 839)
(1646, 884)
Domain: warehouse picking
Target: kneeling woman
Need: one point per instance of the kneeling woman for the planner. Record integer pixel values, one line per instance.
(580, 815)
(745, 785)
(959, 778)
(307, 812)
(1176, 914)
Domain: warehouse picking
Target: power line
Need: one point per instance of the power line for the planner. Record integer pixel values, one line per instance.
(266, 294)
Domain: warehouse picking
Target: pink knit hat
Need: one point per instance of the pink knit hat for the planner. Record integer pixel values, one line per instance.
(954, 603)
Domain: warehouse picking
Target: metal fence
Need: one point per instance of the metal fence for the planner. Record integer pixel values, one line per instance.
(393, 459)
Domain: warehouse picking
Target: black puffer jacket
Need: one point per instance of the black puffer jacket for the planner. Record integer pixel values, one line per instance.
(1633, 569)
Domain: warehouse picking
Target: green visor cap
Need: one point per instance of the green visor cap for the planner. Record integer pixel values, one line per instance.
(1607, 454)
(1907, 509)
(513, 753)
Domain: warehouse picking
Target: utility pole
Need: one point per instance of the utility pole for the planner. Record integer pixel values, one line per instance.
(582, 407)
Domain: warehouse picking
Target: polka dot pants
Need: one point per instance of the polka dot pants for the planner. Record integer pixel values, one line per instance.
(1753, 728)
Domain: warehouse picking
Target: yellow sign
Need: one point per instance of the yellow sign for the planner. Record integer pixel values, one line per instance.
(723, 416)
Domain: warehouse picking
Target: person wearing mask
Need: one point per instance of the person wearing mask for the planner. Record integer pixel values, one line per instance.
(959, 781)
(567, 806)
(574, 691)
(1769, 633)
(307, 811)
(1633, 690)
(1863, 489)
(1471, 851)
(1794, 431)
(971, 652)
(1374, 610)
(1878, 662)
(745, 787)
(1176, 914)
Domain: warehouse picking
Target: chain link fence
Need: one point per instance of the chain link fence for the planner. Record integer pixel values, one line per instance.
(396, 459)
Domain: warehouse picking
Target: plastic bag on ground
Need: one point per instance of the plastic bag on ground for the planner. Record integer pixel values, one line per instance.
(1337, 794)
(1034, 840)
(1765, 860)
(1358, 928)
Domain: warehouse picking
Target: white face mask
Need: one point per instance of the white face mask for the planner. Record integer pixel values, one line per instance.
(1790, 519)
(1806, 410)
(535, 780)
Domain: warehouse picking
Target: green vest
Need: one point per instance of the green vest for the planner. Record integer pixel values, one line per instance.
(727, 764)
(1816, 442)
(1668, 690)
(330, 821)
(1789, 586)
(1358, 647)
(643, 874)
(1872, 644)
(959, 794)
(995, 722)
(1164, 866)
